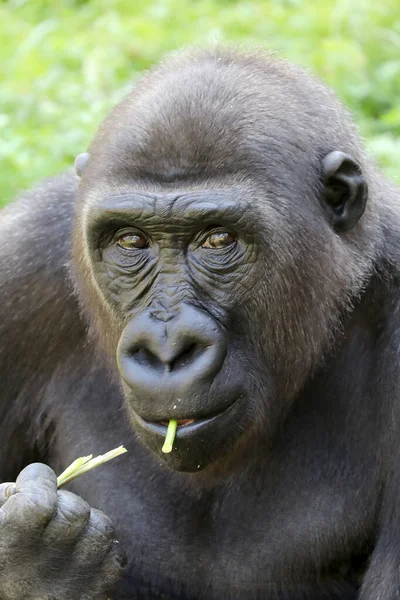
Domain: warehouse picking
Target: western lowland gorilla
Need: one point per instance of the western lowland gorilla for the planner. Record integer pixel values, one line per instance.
(228, 257)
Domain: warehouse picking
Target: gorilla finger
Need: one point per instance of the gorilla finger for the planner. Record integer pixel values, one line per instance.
(100, 525)
(118, 554)
(114, 563)
(111, 571)
(7, 489)
(70, 521)
(34, 502)
(97, 540)
(37, 475)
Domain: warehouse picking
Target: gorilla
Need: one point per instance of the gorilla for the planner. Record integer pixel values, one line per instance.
(227, 255)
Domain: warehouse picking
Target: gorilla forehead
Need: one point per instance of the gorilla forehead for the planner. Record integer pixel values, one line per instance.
(187, 206)
(207, 113)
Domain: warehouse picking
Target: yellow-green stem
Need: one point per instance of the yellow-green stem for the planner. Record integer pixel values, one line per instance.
(170, 437)
(86, 463)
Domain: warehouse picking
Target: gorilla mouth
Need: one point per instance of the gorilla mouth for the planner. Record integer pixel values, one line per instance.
(195, 438)
(186, 423)
(181, 422)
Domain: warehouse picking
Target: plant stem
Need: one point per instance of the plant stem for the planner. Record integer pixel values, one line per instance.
(170, 437)
(86, 463)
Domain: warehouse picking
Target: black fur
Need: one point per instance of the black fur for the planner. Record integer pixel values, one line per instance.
(295, 494)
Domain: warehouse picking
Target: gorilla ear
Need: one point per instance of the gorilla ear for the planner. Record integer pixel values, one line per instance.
(81, 162)
(345, 190)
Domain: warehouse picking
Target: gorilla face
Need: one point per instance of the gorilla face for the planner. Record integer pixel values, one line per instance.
(214, 253)
(176, 268)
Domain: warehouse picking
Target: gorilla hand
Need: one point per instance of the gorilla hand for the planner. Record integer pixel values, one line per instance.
(52, 544)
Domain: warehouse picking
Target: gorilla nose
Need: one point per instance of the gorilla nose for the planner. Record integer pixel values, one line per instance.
(162, 358)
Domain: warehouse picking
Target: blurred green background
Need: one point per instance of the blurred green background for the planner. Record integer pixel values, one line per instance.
(64, 63)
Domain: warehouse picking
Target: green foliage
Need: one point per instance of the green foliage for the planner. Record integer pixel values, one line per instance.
(64, 64)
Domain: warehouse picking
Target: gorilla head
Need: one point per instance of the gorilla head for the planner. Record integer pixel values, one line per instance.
(222, 234)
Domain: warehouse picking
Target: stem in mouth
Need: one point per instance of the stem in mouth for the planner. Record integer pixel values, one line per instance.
(170, 437)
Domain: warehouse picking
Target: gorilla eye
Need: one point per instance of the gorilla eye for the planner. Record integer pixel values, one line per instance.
(133, 241)
(220, 239)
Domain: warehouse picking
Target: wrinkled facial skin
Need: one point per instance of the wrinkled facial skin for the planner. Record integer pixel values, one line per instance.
(176, 270)
(221, 309)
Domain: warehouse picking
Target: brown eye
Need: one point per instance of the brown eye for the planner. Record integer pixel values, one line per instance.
(133, 241)
(220, 239)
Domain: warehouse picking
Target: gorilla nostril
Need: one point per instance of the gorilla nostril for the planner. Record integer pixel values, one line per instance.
(186, 357)
(145, 358)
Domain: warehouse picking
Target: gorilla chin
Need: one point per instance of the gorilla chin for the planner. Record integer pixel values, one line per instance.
(198, 442)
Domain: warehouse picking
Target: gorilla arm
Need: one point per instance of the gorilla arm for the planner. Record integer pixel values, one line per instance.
(35, 297)
(52, 543)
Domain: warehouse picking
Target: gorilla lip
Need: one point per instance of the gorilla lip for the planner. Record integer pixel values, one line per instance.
(181, 422)
(187, 426)
(184, 425)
